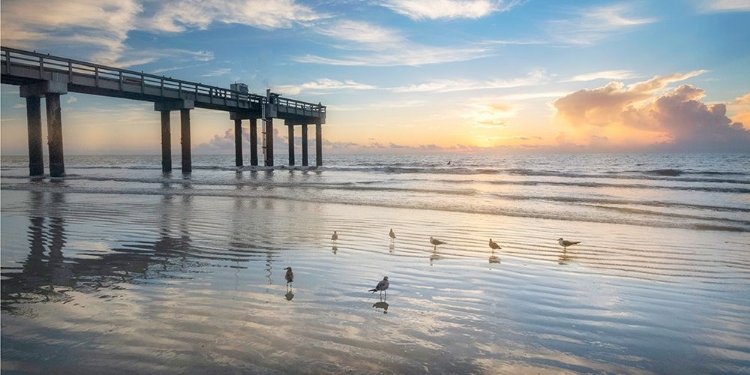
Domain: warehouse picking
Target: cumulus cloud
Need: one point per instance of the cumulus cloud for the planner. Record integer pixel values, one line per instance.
(448, 9)
(679, 117)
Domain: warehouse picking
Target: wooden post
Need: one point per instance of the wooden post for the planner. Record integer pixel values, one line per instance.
(166, 142)
(185, 132)
(254, 141)
(291, 144)
(34, 124)
(238, 141)
(318, 144)
(269, 141)
(304, 145)
(54, 135)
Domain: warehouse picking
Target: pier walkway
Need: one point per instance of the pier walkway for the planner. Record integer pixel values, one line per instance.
(44, 76)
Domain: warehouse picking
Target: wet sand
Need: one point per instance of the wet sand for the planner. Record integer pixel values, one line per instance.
(95, 283)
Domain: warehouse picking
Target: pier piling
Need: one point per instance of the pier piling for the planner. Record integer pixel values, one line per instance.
(36, 147)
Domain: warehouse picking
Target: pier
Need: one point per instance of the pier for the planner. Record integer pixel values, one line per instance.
(44, 76)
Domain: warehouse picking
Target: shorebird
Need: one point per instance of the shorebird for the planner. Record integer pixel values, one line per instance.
(334, 237)
(436, 242)
(381, 287)
(289, 275)
(565, 244)
(494, 246)
(392, 235)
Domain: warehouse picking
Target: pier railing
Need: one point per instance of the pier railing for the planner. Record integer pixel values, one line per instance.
(19, 66)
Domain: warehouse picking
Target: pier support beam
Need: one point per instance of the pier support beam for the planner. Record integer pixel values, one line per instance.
(318, 144)
(254, 141)
(36, 147)
(51, 90)
(291, 144)
(304, 145)
(187, 164)
(184, 106)
(238, 142)
(268, 124)
(54, 135)
(166, 142)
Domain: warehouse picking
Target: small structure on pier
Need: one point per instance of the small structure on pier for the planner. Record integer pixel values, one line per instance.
(44, 76)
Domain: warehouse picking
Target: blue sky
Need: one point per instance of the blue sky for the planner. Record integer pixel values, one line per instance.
(412, 76)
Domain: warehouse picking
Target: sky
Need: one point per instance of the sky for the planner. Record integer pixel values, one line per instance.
(410, 76)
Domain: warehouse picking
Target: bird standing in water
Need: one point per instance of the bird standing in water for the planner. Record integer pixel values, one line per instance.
(494, 246)
(392, 235)
(382, 286)
(335, 236)
(436, 242)
(289, 276)
(565, 244)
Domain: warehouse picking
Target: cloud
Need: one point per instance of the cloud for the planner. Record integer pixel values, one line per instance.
(724, 6)
(367, 44)
(592, 25)
(178, 16)
(608, 74)
(535, 77)
(102, 24)
(322, 85)
(602, 106)
(72, 99)
(448, 9)
(218, 72)
(678, 120)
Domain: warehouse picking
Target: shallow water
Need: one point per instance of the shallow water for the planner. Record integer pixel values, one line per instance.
(124, 270)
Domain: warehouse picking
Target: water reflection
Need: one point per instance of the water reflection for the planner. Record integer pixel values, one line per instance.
(391, 247)
(381, 305)
(289, 295)
(334, 249)
(435, 257)
(494, 259)
(565, 258)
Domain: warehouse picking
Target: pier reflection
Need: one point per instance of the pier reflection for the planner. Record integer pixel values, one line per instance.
(50, 269)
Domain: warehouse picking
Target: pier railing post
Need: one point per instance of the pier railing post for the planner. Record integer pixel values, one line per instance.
(36, 147)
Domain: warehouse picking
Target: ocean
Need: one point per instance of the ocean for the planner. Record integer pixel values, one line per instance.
(120, 268)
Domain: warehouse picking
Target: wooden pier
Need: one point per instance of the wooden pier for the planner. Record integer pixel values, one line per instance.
(44, 76)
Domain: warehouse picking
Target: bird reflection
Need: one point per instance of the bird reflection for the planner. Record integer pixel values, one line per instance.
(334, 249)
(564, 258)
(391, 247)
(381, 305)
(289, 295)
(494, 259)
(435, 256)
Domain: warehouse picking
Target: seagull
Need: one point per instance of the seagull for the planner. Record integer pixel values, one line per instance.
(393, 235)
(289, 275)
(494, 246)
(334, 237)
(565, 244)
(436, 242)
(382, 286)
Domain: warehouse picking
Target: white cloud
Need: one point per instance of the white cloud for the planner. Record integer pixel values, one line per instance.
(533, 78)
(218, 72)
(321, 85)
(608, 74)
(448, 9)
(725, 6)
(178, 15)
(592, 25)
